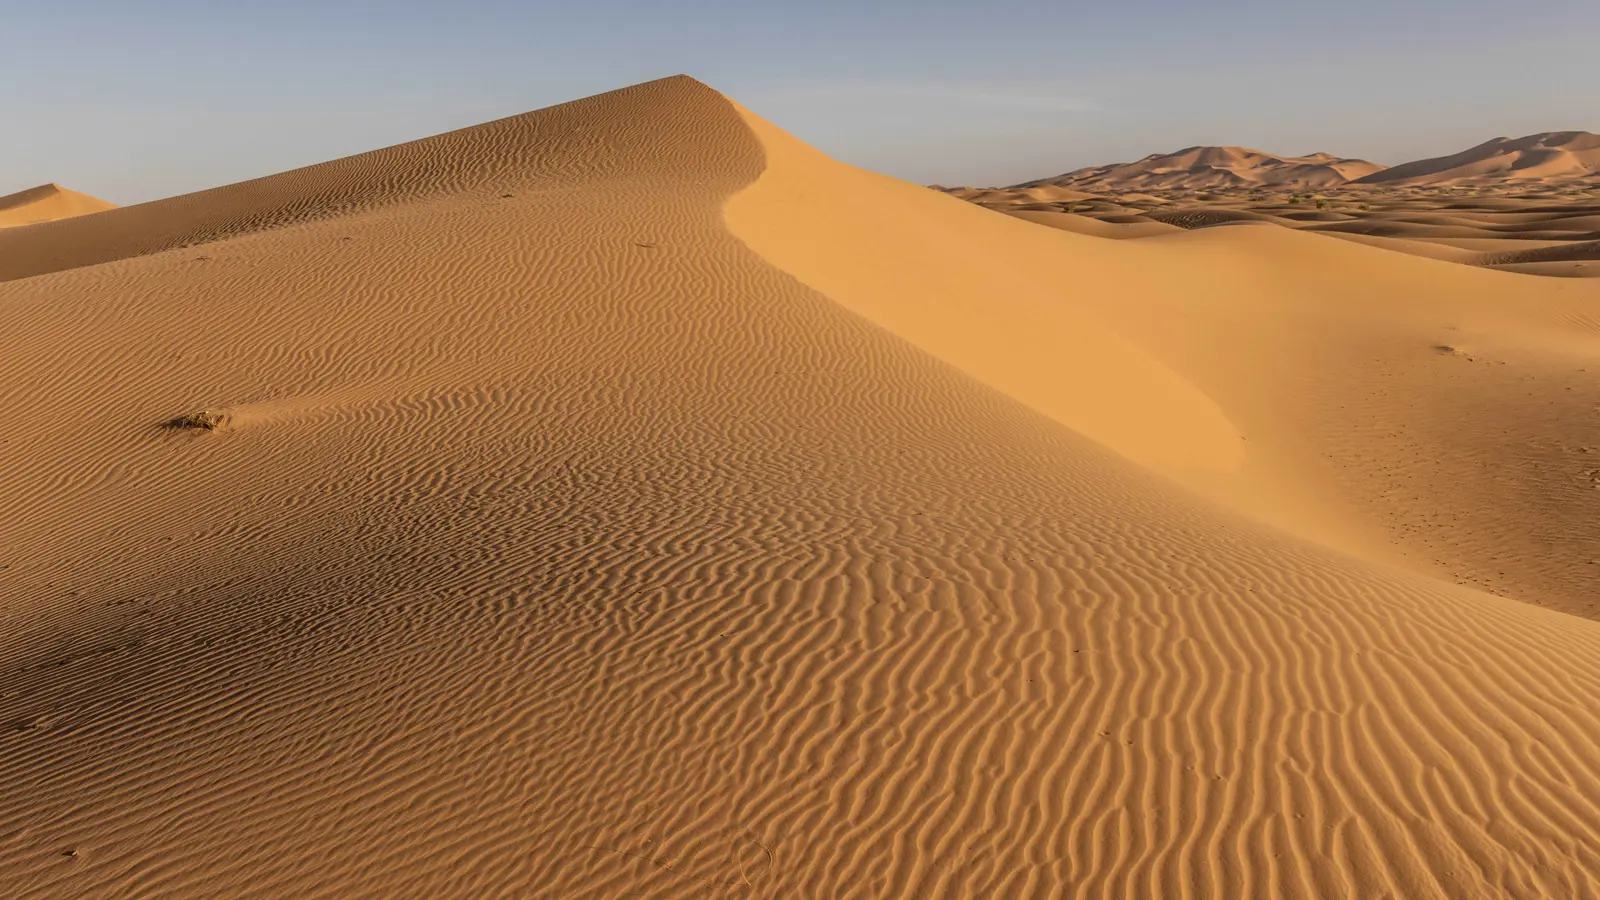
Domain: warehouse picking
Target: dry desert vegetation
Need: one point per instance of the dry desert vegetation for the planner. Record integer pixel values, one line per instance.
(627, 500)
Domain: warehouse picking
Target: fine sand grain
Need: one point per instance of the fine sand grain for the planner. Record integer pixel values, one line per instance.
(626, 500)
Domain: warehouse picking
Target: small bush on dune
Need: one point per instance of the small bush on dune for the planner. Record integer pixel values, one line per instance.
(207, 419)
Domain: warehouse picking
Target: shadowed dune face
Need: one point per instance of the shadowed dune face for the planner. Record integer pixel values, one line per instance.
(567, 538)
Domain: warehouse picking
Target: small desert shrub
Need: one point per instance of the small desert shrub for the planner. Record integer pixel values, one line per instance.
(208, 419)
(1294, 199)
(1321, 203)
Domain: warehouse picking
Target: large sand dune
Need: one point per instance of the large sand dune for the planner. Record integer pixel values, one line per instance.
(1560, 155)
(625, 500)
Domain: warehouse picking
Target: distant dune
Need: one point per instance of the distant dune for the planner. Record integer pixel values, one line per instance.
(1556, 155)
(627, 500)
(1551, 156)
(1213, 167)
(46, 203)
(1529, 206)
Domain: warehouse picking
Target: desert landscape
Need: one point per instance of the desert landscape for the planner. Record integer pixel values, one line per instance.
(1530, 205)
(626, 499)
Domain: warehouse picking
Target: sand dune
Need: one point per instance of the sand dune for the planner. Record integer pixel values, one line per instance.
(1537, 157)
(625, 499)
(1198, 168)
(46, 203)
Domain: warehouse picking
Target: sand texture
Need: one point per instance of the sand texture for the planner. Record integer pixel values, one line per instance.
(1540, 228)
(46, 203)
(627, 500)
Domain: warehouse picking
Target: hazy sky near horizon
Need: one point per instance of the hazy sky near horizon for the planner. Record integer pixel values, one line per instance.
(132, 102)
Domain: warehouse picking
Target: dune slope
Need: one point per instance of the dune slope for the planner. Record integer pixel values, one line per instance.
(569, 530)
(47, 203)
(1536, 157)
(1435, 417)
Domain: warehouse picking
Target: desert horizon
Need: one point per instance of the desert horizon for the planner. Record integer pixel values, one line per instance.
(1529, 205)
(629, 499)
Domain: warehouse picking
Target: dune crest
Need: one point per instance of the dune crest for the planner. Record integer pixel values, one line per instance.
(575, 548)
(1555, 155)
(899, 263)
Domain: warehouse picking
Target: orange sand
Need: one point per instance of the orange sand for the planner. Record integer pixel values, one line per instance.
(626, 500)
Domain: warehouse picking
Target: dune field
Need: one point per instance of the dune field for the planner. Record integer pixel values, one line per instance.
(1551, 231)
(1197, 168)
(1530, 205)
(627, 500)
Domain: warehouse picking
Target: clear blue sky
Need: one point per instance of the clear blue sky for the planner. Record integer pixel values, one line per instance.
(135, 101)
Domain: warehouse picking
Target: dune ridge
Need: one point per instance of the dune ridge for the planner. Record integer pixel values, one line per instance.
(605, 511)
(405, 173)
(1555, 155)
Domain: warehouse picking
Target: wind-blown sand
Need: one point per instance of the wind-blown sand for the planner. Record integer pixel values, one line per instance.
(625, 499)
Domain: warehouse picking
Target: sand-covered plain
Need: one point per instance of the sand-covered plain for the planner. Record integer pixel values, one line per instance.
(627, 500)
(1533, 229)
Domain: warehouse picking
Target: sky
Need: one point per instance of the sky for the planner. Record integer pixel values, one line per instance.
(137, 101)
